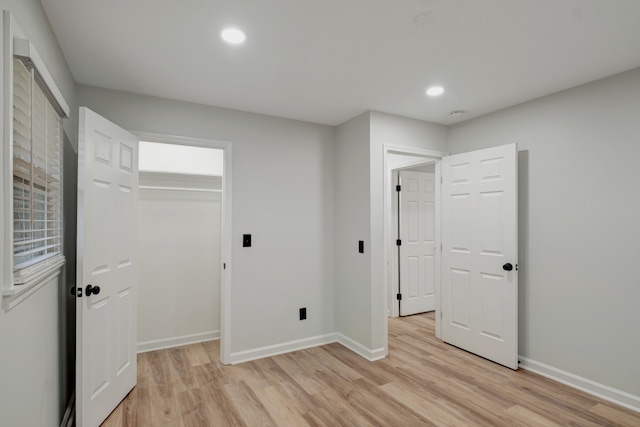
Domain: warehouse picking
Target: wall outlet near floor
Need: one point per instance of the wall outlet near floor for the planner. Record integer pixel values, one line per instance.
(303, 313)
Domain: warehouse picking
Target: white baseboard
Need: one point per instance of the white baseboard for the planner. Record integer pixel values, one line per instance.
(370, 354)
(165, 343)
(274, 350)
(267, 351)
(611, 394)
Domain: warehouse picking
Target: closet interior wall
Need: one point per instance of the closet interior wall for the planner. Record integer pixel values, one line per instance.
(179, 249)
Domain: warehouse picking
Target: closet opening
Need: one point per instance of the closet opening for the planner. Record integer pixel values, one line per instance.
(180, 244)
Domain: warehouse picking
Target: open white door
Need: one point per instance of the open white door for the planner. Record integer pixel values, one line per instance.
(417, 242)
(106, 326)
(480, 253)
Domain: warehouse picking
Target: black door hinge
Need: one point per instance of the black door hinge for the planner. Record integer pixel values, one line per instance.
(224, 265)
(399, 297)
(398, 187)
(398, 242)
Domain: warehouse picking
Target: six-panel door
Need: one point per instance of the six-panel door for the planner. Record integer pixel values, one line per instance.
(107, 234)
(479, 236)
(417, 249)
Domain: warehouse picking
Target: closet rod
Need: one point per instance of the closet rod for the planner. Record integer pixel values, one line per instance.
(202, 190)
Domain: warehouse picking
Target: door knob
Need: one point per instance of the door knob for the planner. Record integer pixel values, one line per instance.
(95, 290)
(507, 267)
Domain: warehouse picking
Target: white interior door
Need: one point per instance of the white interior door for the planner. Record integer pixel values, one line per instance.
(106, 267)
(417, 237)
(480, 243)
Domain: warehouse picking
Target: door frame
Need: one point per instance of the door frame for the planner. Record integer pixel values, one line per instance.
(390, 268)
(226, 252)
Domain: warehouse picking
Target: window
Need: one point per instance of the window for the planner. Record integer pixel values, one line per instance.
(32, 111)
(37, 174)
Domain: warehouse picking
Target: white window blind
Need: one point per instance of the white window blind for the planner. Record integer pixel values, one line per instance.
(37, 174)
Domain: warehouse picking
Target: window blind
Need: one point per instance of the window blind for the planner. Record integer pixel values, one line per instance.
(37, 167)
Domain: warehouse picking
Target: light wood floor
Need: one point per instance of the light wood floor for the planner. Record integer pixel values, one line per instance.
(423, 382)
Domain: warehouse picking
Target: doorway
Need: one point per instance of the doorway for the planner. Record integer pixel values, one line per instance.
(215, 182)
(478, 245)
(414, 210)
(397, 158)
(179, 244)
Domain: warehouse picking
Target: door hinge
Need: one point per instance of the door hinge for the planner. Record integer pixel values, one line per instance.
(399, 297)
(441, 314)
(398, 242)
(398, 187)
(224, 265)
(440, 180)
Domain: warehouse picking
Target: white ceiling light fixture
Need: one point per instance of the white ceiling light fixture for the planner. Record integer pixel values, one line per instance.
(233, 36)
(435, 91)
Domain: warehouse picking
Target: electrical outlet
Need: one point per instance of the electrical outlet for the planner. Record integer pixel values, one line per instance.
(303, 313)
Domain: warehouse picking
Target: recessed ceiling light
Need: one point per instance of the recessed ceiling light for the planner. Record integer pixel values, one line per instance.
(435, 91)
(233, 36)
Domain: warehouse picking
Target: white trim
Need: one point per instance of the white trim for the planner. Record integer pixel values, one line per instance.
(225, 284)
(276, 349)
(301, 344)
(370, 354)
(18, 293)
(392, 251)
(226, 243)
(6, 158)
(611, 394)
(412, 151)
(180, 140)
(23, 48)
(438, 260)
(165, 343)
(10, 29)
(14, 294)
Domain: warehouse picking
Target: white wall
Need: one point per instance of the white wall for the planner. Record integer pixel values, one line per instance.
(29, 361)
(282, 195)
(360, 284)
(174, 158)
(579, 206)
(179, 251)
(34, 367)
(398, 131)
(352, 223)
(33, 22)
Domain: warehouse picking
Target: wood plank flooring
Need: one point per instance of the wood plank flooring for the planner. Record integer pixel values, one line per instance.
(423, 382)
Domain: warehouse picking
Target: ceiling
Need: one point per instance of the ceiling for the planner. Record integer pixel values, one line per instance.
(326, 61)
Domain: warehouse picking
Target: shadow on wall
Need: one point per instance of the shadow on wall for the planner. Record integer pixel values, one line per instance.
(523, 255)
(67, 302)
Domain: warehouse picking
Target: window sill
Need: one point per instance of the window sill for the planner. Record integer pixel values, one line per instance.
(18, 293)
